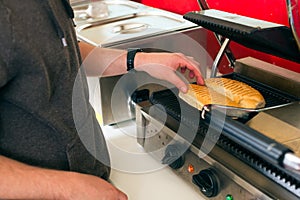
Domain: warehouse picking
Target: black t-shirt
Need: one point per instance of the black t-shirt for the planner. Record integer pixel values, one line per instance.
(41, 112)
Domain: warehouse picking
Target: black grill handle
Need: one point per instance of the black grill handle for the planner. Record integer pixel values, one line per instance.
(250, 139)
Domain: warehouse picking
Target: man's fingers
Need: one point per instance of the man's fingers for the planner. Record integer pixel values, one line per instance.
(122, 196)
(194, 67)
(178, 82)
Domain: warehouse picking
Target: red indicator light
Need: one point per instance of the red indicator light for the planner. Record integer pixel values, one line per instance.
(190, 168)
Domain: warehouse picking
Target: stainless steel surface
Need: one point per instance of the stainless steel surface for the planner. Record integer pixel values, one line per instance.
(289, 114)
(106, 89)
(127, 21)
(114, 99)
(130, 28)
(115, 8)
(217, 60)
(103, 33)
(148, 12)
(231, 183)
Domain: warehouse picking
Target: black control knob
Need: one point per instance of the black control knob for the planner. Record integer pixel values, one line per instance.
(208, 182)
(174, 156)
(177, 163)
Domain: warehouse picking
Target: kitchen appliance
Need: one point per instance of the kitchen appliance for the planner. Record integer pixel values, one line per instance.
(250, 158)
(255, 156)
(130, 24)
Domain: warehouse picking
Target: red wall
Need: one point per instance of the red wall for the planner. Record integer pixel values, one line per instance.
(269, 10)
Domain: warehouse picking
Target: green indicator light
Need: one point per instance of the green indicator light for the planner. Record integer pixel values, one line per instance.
(229, 197)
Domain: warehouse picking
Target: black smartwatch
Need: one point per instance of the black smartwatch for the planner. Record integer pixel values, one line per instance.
(130, 57)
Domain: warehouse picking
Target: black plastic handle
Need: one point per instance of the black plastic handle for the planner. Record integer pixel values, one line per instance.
(248, 138)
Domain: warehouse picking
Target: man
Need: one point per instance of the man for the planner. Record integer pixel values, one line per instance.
(41, 155)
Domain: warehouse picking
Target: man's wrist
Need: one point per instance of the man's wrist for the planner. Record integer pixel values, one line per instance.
(131, 52)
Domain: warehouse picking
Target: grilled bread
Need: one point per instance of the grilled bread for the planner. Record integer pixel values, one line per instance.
(223, 91)
(199, 96)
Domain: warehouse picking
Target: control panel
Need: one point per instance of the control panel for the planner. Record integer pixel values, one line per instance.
(212, 181)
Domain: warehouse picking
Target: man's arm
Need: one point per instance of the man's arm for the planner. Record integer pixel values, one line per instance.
(109, 62)
(21, 181)
(102, 61)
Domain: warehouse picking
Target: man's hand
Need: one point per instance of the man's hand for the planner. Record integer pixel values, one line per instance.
(21, 181)
(87, 187)
(164, 65)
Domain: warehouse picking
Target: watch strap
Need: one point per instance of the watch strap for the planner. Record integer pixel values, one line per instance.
(130, 57)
